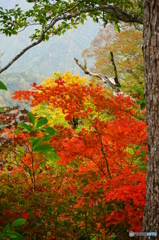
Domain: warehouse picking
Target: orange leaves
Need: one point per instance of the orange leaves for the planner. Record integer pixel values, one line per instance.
(72, 99)
(97, 176)
(81, 224)
(26, 160)
(21, 95)
(129, 189)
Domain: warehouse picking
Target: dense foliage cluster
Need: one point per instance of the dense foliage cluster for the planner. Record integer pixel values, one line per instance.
(79, 178)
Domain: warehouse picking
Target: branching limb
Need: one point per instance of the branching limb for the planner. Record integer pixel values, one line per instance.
(70, 9)
(113, 83)
(105, 79)
(120, 14)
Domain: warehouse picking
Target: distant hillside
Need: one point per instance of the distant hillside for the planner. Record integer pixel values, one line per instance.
(55, 55)
(17, 81)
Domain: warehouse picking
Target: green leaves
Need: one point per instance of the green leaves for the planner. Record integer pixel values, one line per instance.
(142, 106)
(142, 103)
(37, 144)
(8, 230)
(25, 127)
(53, 156)
(11, 20)
(20, 149)
(5, 205)
(31, 117)
(5, 230)
(81, 5)
(82, 21)
(36, 125)
(17, 223)
(41, 122)
(2, 86)
(15, 236)
(35, 141)
(44, 148)
(50, 130)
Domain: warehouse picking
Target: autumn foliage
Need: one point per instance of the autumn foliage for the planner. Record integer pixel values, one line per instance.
(128, 58)
(83, 180)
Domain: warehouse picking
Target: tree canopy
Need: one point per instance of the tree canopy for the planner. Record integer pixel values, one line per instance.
(56, 17)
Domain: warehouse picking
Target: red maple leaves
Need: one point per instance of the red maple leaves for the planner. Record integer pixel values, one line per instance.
(103, 160)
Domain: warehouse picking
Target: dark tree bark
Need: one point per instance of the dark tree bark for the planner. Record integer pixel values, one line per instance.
(151, 62)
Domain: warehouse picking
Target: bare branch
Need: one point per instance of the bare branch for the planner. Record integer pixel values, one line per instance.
(110, 81)
(105, 79)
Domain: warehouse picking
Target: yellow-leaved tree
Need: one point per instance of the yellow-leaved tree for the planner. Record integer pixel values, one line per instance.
(55, 115)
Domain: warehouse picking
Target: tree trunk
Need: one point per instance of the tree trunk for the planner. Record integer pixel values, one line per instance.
(151, 62)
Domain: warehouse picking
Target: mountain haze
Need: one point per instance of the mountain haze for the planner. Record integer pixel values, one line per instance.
(41, 61)
(55, 55)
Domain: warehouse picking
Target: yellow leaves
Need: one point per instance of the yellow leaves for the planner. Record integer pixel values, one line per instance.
(70, 79)
(50, 107)
(55, 116)
(67, 77)
(48, 82)
(34, 110)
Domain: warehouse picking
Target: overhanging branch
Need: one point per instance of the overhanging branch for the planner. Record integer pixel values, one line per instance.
(120, 14)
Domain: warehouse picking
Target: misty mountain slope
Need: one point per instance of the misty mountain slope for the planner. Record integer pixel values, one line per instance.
(55, 55)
